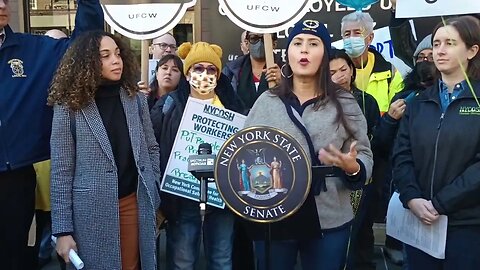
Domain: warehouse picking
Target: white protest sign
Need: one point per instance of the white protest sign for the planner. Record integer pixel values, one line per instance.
(144, 19)
(429, 8)
(382, 42)
(266, 16)
(201, 123)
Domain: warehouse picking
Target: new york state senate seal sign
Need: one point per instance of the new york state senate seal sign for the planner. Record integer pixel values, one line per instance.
(263, 174)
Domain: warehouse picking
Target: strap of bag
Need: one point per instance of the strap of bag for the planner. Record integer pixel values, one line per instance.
(298, 122)
(317, 184)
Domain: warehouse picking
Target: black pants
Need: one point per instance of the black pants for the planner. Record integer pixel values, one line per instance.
(242, 257)
(362, 240)
(17, 205)
(461, 253)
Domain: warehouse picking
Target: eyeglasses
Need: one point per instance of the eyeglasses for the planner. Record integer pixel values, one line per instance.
(422, 57)
(211, 70)
(254, 39)
(164, 46)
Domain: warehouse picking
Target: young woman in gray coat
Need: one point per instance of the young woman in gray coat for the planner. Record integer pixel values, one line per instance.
(105, 159)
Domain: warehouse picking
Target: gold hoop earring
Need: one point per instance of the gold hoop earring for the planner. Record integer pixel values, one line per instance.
(283, 74)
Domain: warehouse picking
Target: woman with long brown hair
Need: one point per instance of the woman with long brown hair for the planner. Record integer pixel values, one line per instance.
(436, 164)
(105, 160)
(328, 123)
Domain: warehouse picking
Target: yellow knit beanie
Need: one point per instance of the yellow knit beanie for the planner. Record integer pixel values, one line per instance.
(200, 52)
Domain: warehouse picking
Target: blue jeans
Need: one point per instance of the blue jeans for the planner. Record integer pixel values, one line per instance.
(327, 253)
(183, 238)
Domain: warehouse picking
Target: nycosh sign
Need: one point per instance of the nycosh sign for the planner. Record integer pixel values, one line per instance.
(144, 19)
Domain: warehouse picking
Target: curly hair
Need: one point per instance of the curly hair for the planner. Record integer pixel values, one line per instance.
(80, 72)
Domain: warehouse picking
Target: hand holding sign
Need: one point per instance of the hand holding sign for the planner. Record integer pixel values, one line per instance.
(273, 75)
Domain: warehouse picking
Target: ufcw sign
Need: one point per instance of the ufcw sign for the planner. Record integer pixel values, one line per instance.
(265, 16)
(144, 19)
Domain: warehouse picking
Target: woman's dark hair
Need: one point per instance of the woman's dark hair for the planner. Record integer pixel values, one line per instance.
(341, 54)
(330, 92)
(80, 71)
(178, 62)
(468, 28)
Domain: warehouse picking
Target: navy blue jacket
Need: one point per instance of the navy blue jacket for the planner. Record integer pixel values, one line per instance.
(27, 65)
(437, 155)
(386, 130)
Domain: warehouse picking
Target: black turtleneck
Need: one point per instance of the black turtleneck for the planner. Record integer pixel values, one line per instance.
(111, 111)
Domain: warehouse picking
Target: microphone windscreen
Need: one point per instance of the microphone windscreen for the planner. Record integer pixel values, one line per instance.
(204, 149)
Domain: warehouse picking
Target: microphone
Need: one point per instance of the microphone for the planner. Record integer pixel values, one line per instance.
(204, 149)
(202, 166)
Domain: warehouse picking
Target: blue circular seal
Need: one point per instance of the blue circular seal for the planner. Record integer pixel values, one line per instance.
(263, 174)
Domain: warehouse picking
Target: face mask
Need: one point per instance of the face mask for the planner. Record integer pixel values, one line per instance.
(426, 72)
(257, 50)
(354, 46)
(203, 83)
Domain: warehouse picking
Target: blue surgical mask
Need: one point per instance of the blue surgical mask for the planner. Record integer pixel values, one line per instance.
(354, 46)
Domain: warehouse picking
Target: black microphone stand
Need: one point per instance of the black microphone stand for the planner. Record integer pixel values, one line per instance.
(267, 247)
(203, 197)
(203, 149)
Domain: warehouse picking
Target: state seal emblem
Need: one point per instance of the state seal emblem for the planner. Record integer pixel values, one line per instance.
(263, 174)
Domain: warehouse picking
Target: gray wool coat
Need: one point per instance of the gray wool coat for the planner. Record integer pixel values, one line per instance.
(84, 183)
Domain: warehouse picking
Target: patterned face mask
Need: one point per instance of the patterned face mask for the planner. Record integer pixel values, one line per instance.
(203, 83)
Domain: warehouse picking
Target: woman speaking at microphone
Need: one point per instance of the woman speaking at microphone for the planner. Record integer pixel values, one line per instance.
(311, 108)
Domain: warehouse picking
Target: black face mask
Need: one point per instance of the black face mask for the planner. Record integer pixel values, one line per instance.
(426, 73)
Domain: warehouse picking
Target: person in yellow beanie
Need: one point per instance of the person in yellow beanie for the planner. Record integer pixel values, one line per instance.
(202, 68)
